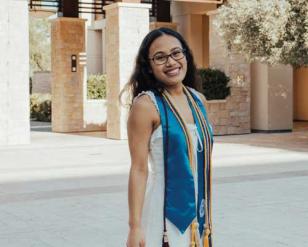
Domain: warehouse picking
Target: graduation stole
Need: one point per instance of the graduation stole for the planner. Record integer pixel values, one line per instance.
(180, 204)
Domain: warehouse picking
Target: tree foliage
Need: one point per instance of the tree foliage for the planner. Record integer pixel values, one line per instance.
(267, 31)
(39, 39)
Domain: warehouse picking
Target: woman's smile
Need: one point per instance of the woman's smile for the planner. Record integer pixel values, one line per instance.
(171, 72)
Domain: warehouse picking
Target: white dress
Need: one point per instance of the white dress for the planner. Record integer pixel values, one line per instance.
(152, 215)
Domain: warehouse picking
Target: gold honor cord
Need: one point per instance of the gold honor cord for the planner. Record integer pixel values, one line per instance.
(201, 120)
(205, 126)
(207, 158)
(206, 136)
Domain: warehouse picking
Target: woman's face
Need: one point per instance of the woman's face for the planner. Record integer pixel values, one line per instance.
(172, 71)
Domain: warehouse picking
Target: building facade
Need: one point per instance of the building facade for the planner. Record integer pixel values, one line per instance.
(100, 36)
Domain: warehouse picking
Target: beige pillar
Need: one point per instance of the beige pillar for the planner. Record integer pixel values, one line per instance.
(67, 39)
(14, 73)
(126, 26)
(271, 97)
(193, 24)
(301, 94)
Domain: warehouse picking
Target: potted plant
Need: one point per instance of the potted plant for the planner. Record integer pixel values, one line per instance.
(214, 83)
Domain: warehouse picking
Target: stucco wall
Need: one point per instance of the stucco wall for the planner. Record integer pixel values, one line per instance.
(94, 51)
(41, 82)
(259, 96)
(301, 94)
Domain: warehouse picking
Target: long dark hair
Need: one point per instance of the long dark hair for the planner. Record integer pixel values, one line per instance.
(142, 79)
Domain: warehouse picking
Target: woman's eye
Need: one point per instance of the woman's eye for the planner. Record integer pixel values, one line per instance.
(159, 58)
(176, 53)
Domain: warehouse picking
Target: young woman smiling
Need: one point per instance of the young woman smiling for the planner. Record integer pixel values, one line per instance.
(169, 198)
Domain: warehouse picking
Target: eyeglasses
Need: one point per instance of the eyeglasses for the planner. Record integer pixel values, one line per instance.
(160, 59)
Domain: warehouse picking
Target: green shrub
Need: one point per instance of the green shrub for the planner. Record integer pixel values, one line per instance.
(214, 83)
(40, 107)
(96, 87)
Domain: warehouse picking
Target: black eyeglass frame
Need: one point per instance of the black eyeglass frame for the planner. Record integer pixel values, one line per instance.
(170, 55)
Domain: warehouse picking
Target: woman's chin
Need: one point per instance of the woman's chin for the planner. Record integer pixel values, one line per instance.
(173, 81)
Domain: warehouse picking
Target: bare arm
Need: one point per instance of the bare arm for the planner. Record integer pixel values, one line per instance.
(139, 128)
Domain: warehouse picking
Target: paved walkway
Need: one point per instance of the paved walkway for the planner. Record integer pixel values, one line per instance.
(70, 191)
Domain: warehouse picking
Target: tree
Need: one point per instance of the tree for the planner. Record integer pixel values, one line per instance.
(39, 39)
(268, 31)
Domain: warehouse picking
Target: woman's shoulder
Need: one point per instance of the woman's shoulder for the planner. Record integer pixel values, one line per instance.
(144, 106)
(199, 95)
(148, 99)
(143, 99)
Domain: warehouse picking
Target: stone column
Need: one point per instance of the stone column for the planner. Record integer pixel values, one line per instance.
(126, 26)
(67, 39)
(271, 98)
(14, 73)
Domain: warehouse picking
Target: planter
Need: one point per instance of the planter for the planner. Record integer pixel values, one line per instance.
(231, 115)
(271, 98)
(95, 115)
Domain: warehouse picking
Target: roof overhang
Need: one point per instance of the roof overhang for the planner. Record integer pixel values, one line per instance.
(201, 1)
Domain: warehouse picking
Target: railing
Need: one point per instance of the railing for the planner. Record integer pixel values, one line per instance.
(95, 7)
(160, 8)
(202, 1)
(44, 5)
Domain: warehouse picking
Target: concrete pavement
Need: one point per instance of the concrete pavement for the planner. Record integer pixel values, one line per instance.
(71, 191)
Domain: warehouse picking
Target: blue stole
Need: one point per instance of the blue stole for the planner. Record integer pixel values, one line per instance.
(181, 207)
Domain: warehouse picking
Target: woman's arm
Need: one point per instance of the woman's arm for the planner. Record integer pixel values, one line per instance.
(139, 128)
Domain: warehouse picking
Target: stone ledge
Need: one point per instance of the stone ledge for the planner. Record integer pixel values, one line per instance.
(68, 19)
(127, 5)
(216, 101)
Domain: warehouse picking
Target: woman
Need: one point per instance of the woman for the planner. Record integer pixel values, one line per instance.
(169, 200)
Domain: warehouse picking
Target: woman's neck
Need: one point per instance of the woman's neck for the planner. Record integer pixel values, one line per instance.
(176, 90)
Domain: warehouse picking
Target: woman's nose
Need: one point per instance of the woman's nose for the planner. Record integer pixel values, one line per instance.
(170, 61)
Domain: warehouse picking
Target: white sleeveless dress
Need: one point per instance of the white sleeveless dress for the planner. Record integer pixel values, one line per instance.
(152, 215)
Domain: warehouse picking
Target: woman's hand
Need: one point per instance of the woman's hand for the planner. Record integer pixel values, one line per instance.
(135, 238)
